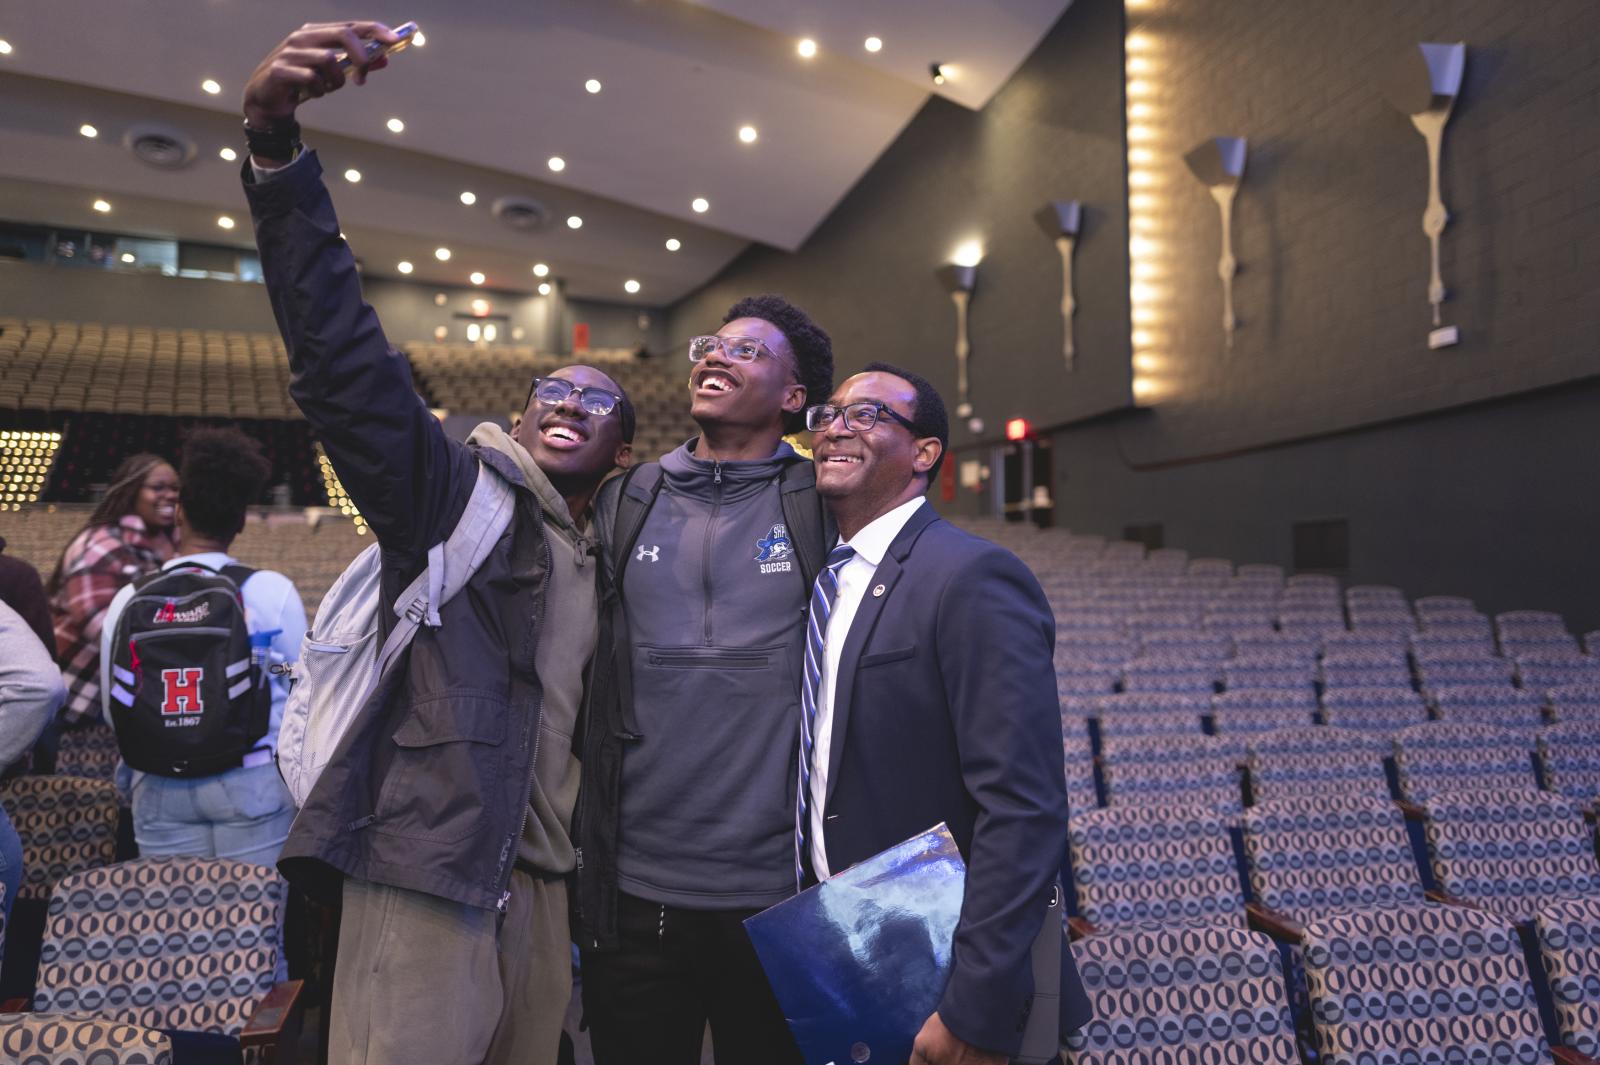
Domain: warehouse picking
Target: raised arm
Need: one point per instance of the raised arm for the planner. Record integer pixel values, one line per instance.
(408, 479)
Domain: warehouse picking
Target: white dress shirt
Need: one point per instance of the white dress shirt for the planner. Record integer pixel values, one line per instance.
(871, 543)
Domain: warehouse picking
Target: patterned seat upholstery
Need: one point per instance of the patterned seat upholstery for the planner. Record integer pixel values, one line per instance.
(1367, 668)
(1569, 941)
(1170, 673)
(1083, 677)
(1373, 709)
(1078, 758)
(1571, 756)
(52, 1039)
(1190, 994)
(1430, 605)
(1268, 671)
(1575, 702)
(1194, 770)
(1167, 712)
(1142, 865)
(67, 824)
(1316, 760)
(90, 751)
(1540, 673)
(1264, 572)
(1421, 984)
(1453, 641)
(1277, 645)
(1443, 756)
(1310, 856)
(1262, 710)
(181, 943)
(1482, 670)
(1510, 851)
(1510, 708)
(1150, 723)
(1201, 647)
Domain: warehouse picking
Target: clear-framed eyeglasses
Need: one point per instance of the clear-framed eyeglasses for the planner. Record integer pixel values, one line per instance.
(858, 417)
(734, 349)
(554, 391)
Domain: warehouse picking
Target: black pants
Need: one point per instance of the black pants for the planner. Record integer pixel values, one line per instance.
(648, 1002)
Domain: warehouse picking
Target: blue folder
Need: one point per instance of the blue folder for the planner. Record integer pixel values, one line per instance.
(860, 961)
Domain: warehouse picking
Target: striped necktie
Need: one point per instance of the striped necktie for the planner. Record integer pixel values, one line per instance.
(823, 593)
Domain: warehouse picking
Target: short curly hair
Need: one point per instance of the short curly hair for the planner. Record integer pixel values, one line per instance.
(222, 474)
(930, 416)
(813, 350)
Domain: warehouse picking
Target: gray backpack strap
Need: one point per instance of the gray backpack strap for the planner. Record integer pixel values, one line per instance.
(450, 565)
(632, 501)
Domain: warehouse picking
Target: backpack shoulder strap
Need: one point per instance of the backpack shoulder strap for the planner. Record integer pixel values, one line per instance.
(810, 527)
(633, 499)
(452, 563)
(238, 573)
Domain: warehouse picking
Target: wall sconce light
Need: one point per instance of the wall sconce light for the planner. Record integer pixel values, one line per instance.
(1423, 83)
(959, 279)
(1219, 165)
(1060, 220)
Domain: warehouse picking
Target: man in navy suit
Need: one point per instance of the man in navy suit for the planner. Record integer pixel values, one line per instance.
(933, 699)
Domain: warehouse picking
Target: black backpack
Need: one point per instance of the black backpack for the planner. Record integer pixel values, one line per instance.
(188, 697)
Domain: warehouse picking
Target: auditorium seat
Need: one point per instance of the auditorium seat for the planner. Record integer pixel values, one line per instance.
(1541, 672)
(1078, 758)
(1376, 709)
(1485, 705)
(1144, 713)
(1311, 856)
(1439, 605)
(67, 824)
(1316, 760)
(1172, 768)
(1170, 673)
(130, 943)
(1465, 671)
(1242, 711)
(1569, 944)
(1445, 756)
(1570, 753)
(1510, 851)
(90, 751)
(1145, 865)
(1268, 672)
(58, 1039)
(1462, 641)
(1190, 994)
(1364, 668)
(1574, 702)
(1085, 677)
(1420, 984)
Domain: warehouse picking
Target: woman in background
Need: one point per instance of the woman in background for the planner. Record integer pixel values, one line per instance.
(131, 533)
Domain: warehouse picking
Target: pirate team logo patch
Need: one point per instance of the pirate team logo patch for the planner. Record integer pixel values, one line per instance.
(774, 549)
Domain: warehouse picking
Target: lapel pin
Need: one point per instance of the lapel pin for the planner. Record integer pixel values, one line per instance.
(878, 591)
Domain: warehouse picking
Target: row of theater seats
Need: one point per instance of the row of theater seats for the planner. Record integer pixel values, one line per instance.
(496, 380)
(1390, 791)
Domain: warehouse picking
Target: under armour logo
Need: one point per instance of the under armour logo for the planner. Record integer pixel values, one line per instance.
(653, 553)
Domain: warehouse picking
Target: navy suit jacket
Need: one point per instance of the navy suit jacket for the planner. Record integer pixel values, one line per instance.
(945, 709)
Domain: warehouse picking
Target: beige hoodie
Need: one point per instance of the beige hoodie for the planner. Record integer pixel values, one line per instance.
(567, 639)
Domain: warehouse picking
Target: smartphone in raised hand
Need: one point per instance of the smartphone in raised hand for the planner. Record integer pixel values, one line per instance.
(375, 50)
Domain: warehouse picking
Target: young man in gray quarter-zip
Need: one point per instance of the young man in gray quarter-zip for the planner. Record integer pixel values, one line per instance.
(686, 817)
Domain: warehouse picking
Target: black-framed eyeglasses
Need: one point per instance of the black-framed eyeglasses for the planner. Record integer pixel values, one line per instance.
(554, 391)
(858, 417)
(734, 349)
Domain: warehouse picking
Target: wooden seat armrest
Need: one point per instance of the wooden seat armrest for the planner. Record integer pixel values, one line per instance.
(17, 1005)
(1450, 900)
(276, 1016)
(1568, 1056)
(1273, 923)
(1078, 928)
(1413, 811)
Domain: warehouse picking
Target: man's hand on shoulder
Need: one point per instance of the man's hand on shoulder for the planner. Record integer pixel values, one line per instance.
(306, 64)
(938, 1045)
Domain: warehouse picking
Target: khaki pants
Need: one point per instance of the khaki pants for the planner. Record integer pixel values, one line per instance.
(423, 980)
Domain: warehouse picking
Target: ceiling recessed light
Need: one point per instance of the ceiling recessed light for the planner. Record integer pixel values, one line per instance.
(419, 38)
(748, 134)
(630, 286)
(211, 86)
(476, 277)
(592, 86)
(442, 254)
(574, 222)
(701, 205)
(395, 125)
(469, 198)
(480, 306)
(225, 222)
(873, 44)
(440, 332)
(5, 47)
(673, 243)
(102, 206)
(942, 72)
(88, 130)
(807, 48)
(352, 175)
(128, 257)
(557, 163)
(439, 299)
(544, 288)
(404, 266)
(228, 154)
(540, 270)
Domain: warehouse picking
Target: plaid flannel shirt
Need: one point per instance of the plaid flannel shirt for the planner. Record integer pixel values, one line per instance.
(98, 562)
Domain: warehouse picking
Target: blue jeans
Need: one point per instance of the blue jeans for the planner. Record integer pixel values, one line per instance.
(10, 860)
(242, 814)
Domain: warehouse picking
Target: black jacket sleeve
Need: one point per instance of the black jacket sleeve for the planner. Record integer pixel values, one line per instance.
(409, 480)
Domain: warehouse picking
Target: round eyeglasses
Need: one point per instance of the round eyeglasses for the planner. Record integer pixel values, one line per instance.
(858, 417)
(554, 391)
(734, 349)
